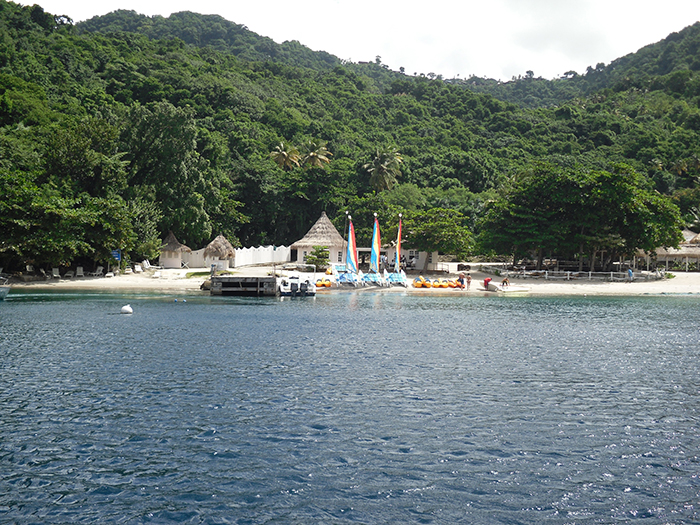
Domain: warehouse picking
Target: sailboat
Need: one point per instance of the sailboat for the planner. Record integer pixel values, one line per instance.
(398, 276)
(352, 275)
(374, 276)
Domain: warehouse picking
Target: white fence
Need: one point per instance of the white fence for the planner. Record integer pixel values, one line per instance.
(261, 255)
(243, 257)
(589, 276)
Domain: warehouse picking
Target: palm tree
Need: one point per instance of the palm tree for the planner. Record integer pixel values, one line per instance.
(286, 156)
(384, 168)
(316, 155)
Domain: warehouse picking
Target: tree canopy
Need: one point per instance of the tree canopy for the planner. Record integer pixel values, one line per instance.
(574, 212)
(116, 130)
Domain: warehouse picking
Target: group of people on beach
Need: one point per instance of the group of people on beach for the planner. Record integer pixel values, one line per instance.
(464, 281)
(505, 282)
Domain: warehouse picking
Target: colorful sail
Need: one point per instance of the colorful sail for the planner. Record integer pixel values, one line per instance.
(351, 257)
(376, 247)
(397, 264)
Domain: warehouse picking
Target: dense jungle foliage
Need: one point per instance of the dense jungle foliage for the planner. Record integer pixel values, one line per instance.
(119, 129)
(679, 52)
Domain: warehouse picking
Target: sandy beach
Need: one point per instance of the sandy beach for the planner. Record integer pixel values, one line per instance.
(176, 281)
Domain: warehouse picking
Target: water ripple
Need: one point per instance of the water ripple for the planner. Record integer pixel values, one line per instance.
(351, 408)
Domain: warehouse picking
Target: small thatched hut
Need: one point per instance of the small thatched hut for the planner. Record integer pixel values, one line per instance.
(171, 252)
(685, 257)
(323, 233)
(220, 251)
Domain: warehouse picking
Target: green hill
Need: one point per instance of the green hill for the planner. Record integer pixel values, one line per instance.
(210, 31)
(678, 52)
(119, 129)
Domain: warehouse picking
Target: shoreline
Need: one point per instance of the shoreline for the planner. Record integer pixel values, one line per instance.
(175, 281)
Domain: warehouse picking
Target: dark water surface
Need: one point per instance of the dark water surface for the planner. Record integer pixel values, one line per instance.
(349, 408)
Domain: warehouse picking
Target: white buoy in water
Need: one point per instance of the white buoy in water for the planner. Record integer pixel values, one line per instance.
(127, 309)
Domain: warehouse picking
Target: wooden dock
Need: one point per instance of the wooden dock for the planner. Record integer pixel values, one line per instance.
(234, 285)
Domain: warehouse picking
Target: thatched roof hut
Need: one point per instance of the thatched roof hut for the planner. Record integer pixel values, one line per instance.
(171, 252)
(687, 253)
(323, 233)
(219, 248)
(173, 245)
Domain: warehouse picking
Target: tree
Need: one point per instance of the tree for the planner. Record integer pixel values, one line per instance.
(385, 168)
(530, 214)
(318, 257)
(315, 155)
(286, 156)
(437, 229)
(547, 209)
(164, 162)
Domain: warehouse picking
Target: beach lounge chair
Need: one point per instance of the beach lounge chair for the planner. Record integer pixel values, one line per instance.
(137, 268)
(79, 272)
(148, 266)
(55, 273)
(97, 273)
(69, 274)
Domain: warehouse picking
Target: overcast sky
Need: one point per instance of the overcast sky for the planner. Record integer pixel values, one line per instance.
(487, 38)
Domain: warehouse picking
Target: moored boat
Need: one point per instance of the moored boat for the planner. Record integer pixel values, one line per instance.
(374, 278)
(294, 285)
(398, 276)
(4, 289)
(349, 274)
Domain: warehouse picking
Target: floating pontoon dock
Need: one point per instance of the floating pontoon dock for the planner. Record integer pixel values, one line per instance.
(234, 285)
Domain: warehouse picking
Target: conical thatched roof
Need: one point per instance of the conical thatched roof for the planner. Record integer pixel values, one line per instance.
(219, 247)
(691, 237)
(323, 233)
(173, 245)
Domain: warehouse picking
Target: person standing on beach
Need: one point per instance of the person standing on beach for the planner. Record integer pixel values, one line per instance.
(630, 274)
(469, 281)
(460, 281)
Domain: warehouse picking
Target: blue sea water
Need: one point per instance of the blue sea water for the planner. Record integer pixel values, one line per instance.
(363, 407)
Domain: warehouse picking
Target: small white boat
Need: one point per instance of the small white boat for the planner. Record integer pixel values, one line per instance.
(4, 290)
(294, 285)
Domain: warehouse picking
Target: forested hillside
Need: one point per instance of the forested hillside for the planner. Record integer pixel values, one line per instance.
(117, 131)
(679, 52)
(210, 31)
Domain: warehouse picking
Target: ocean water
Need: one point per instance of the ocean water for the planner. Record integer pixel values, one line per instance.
(353, 407)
